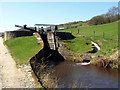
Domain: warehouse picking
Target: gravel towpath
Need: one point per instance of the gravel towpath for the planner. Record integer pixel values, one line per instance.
(0, 79)
(11, 76)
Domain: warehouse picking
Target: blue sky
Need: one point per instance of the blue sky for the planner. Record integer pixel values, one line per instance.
(31, 13)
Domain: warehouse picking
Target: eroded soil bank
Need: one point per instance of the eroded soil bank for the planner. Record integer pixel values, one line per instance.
(99, 60)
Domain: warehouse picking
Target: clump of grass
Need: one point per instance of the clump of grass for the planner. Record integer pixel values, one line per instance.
(115, 64)
(22, 48)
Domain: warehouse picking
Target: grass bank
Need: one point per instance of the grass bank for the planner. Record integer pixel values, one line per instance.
(106, 35)
(22, 48)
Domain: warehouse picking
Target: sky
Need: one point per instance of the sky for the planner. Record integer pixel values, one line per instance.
(32, 13)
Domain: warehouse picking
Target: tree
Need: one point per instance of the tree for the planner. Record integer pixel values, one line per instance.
(111, 16)
(113, 11)
(96, 20)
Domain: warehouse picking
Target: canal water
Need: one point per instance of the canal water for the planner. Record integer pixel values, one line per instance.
(72, 75)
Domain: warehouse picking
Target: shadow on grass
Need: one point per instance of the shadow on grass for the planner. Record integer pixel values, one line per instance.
(65, 35)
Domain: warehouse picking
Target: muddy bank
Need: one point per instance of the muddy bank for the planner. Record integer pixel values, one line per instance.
(105, 62)
(98, 60)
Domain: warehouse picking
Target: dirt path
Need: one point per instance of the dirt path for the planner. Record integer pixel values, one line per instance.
(0, 79)
(11, 76)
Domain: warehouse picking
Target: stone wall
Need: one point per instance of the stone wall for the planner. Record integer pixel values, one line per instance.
(12, 34)
(51, 40)
(64, 35)
(55, 39)
(59, 36)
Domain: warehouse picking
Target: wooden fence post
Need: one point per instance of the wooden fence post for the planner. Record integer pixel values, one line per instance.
(94, 33)
(103, 34)
(78, 31)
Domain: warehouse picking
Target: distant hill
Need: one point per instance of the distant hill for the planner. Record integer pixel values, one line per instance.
(74, 24)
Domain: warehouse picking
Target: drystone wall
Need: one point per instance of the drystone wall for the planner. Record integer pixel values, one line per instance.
(12, 34)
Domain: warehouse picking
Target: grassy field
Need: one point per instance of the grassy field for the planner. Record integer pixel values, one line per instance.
(106, 35)
(22, 48)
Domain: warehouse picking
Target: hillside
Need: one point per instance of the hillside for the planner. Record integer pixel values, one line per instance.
(75, 24)
(106, 35)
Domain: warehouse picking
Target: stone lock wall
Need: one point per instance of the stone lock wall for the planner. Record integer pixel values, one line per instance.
(51, 40)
